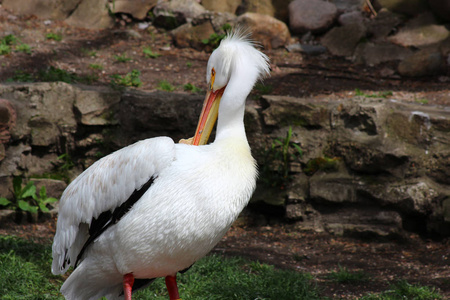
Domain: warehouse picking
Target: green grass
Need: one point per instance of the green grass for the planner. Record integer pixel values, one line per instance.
(402, 290)
(122, 58)
(149, 53)
(130, 79)
(216, 277)
(189, 87)
(25, 274)
(166, 86)
(343, 275)
(383, 94)
(96, 66)
(53, 36)
(25, 271)
(25, 48)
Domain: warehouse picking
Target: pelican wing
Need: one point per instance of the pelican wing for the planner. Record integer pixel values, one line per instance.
(104, 188)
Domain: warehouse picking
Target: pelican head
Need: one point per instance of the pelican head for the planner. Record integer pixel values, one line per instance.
(233, 68)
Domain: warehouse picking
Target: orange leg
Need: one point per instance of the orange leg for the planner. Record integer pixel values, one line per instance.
(172, 288)
(128, 281)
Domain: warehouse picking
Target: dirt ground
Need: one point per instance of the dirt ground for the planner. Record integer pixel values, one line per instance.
(416, 259)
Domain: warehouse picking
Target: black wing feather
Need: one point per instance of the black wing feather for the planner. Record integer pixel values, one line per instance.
(108, 218)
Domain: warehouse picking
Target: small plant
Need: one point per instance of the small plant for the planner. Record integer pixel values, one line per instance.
(9, 40)
(42, 200)
(214, 39)
(166, 86)
(149, 53)
(278, 160)
(56, 74)
(96, 66)
(191, 88)
(188, 64)
(4, 49)
(6, 42)
(25, 198)
(422, 101)
(21, 76)
(323, 163)
(343, 275)
(25, 48)
(383, 94)
(53, 36)
(122, 58)
(130, 79)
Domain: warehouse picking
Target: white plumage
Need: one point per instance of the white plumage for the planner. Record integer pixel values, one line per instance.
(195, 195)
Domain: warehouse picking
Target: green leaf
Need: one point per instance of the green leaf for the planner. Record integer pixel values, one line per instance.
(17, 185)
(43, 193)
(29, 190)
(33, 209)
(50, 200)
(23, 205)
(4, 201)
(43, 208)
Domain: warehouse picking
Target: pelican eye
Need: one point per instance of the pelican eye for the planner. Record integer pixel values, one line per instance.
(213, 77)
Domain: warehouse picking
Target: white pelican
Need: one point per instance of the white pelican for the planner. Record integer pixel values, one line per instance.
(155, 207)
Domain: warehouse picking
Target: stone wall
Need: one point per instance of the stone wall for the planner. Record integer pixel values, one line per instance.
(369, 166)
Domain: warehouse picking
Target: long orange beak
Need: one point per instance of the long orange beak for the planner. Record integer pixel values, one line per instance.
(208, 117)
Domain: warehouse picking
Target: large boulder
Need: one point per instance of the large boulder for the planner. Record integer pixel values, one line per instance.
(91, 14)
(137, 8)
(44, 9)
(311, 15)
(229, 6)
(171, 14)
(267, 30)
(342, 41)
(427, 62)
(421, 31)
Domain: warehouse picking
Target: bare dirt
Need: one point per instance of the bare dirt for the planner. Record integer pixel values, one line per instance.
(92, 55)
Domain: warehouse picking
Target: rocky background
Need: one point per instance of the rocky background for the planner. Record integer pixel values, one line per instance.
(370, 165)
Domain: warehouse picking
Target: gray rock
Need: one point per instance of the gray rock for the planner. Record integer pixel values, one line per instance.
(342, 41)
(264, 7)
(422, 63)
(229, 6)
(311, 15)
(91, 14)
(267, 30)
(350, 18)
(166, 119)
(171, 14)
(137, 8)
(307, 49)
(383, 24)
(285, 111)
(189, 35)
(332, 188)
(349, 5)
(375, 53)
(44, 9)
(32, 102)
(97, 105)
(421, 31)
